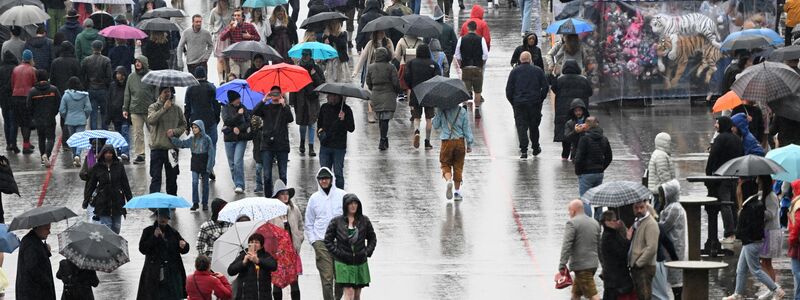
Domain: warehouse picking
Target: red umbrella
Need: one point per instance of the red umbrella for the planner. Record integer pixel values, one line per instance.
(278, 244)
(290, 78)
(124, 32)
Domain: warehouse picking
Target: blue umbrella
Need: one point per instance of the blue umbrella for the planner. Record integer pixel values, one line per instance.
(263, 3)
(82, 139)
(774, 38)
(249, 97)
(789, 158)
(318, 50)
(8, 240)
(570, 26)
(158, 200)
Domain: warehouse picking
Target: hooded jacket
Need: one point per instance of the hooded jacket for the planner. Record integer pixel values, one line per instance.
(116, 96)
(202, 149)
(42, 49)
(383, 81)
(726, 146)
(71, 29)
(164, 252)
(569, 86)
(139, 95)
(750, 225)
(9, 62)
(419, 70)
(22, 79)
(672, 222)
(275, 131)
(483, 29)
(660, 168)
(355, 249)
(536, 53)
(593, 154)
(75, 107)
(526, 85)
(335, 130)
(749, 143)
(160, 120)
(756, 125)
(231, 118)
(83, 42)
(569, 127)
(121, 55)
(201, 103)
(371, 11)
(322, 208)
(43, 100)
(111, 184)
(64, 67)
(34, 273)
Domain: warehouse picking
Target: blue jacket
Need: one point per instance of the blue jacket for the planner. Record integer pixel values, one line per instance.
(75, 107)
(457, 117)
(199, 144)
(749, 142)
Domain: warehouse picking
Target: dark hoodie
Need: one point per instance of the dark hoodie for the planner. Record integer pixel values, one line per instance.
(569, 127)
(43, 101)
(726, 146)
(536, 53)
(64, 67)
(71, 29)
(111, 184)
(42, 48)
(371, 12)
(614, 259)
(6, 69)
(569, 86)
(593, 154)
(121, 55)
(116, 97)
(419, 70)
(355, 249)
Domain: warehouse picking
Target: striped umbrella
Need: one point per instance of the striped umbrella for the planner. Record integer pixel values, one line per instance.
(83, 139)
(616, 194)
(170, 78)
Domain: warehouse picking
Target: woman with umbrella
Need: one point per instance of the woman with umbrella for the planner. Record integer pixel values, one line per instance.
(306, 102)
(569, 48)
(284, 32)
(220, 17)
(384, 83)
(163, 275)
(293, 223)
(337, 68)
(378, 40)
(254, 268)
(156, 48)
(351, 239)
(109, 180)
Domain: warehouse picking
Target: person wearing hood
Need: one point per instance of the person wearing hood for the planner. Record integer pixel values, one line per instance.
(277, 116)
(22, 80)
(726, 146)
(482, 29)
(9, 62)
(333, 124)
(672, 223)
(201, 104)
(163, 275)
(614, 247)
(384, 83)
(97, 77)
(75, 108)
(794, 235)
(660, 169)
(755, 118)
(165, 120)
(236, 132)
(64, 67)
(568, 88)
(116, 99)
(526, 90)
(323, 206)
(15, 44)
(78, 282)
(292, 222)
(211, 229)
(253, 268)
(202, 162)
(447, 38)
(121, 55)
(417, 71)
(306, 103)
(83, 42)
(456, 137)
(579, 249)
(34, 274)
(43, 101)
(71, 27)
(372, 10)
(530, 43)
(138, 97)
(351, 240)
(749, 143)
(472, 51)
(368, 56)
(574, 128)
(42, 48)
(592, 157)
(108, 189)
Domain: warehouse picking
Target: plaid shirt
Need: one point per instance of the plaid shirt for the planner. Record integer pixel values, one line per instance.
(210, 231)
(236, 34)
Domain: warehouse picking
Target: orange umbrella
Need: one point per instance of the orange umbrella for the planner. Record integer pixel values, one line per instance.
(726, 102)
(289, 78)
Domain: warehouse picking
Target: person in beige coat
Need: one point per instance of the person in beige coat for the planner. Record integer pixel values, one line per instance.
(644, 244)
(293, 223)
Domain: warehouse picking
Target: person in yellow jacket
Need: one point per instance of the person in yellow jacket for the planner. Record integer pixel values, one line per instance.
(792, 9)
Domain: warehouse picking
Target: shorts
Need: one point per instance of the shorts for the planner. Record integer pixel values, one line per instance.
(583, 284)
(416, 112)
(473, 79)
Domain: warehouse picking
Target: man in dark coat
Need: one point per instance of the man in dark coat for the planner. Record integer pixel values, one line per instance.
(725, 146)
(71, 27)
(592, 158)
(7, 65)
(371, 12)
(163, 275)
(201, 104)
(62, 69)
(42, 48)
(109, 180)
(274, 135)
(529, 44)
(97, 76)
(34, 274)
(116, 99)
(569, 86)
(447, 38)
(334, 122)
(44, 100)
(525, 90)
(417, 71)
(236, 132)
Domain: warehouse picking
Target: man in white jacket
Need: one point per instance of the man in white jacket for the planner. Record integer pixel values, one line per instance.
(322, 207)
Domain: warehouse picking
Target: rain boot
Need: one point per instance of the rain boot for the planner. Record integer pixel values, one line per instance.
(311, 150)
(303, 148)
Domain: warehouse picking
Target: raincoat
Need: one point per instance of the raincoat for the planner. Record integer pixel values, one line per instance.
(34, 274)
(749, 142)
(139, 95)
(64, 67)
(672, 222)
(569, 127)
(344, 248)
(253, 283)
(322, 207)
(162, 261)
(536, 53)
(383, 81)
(202, 148)
(116, 97)
(613, 258)
(660, 168)
(110, 182)
(476, 15)
(75, 107)
(83, 42)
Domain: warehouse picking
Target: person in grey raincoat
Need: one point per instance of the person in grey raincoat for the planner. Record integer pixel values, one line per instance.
(660, 169)
(672, 222)
(384, 83)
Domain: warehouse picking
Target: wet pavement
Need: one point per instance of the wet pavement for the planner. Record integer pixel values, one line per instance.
(502, 242)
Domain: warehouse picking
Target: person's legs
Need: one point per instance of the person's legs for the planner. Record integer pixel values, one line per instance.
(565, 148)
(312, 132)
(158, 158)
(112, 222)
(727, 194)
(534, 120)
(338, 166)
(266, 160)
(525, 9)
(123, 128)
(446, 160)
(348, 293)
(428, 124)
(283, 161)
(295, 288)
(195, 188)
(73, 130)
(211, 131)
(204, 182)
(98, 99)
(260, 178)
(325, 268)
(295, 9)
(520, 121)
(796, 275)
(787, 36)
(741, 272)
(750, 252)
(766, 265)
(326, 158)
(171, 174)
(303, 130)
(643, 281)
(277, 293)
(357, 294)
(9, 127)
(41, 133)
(55, 22)
(230, 153)
(138, 121)
(238, 164)
(458, 153)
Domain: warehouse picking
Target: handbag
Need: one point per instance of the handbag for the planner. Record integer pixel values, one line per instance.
(563, 279)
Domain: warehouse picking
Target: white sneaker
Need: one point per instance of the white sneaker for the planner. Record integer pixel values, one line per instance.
(776, 294)
(729, 240)
(734, 297)
(457, 196)
(45, 161)
(449, 193)
(238, 190)
(76, 161)
(124, 157)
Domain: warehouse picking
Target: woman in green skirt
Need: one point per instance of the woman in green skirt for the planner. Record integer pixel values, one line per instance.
(351, 240)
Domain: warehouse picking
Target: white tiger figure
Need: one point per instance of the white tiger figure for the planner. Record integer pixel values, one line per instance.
(689, 24)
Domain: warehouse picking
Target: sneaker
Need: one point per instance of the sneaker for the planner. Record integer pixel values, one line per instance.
(259, 190)
(194, 207)
(523, 155)
(76, 161)
(45, 161)
(457, 196)
(371, 117)
(125, 157)
(205, 207)
(238, 190)
(777, 293)
(139, 160)
(734, 297)
(416, 139)
(212, 176)
(729, 240)
(536, 151)
(428, 145)
(449, 193)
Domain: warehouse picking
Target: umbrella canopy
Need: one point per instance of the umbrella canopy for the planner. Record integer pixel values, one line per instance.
(257, 208)
(41, 215)
(263, 3)
(318, 50)
(323, 17)
(727, 102)
(250, 98)
(786, 53)
(164, 12)
(249, 49)
(442, 92)
(157, 200)
(344, 89)
(8, 240)
(787, 157)
(278, 244)
(125, 2)
(93, 247)
(290, 78)
(169, 78)
(83, 139)
(6, 5)
(22, 15)
(766, 81)
(617, 193)
(749, 165)
(420, 26)
(158, 24)
(787, 107)
(228, 246)
(570, 26)
(124, 32)
(746, 42)
(384, 23)
(774, 38)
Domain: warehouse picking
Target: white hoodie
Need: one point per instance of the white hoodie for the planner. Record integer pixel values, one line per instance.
(321, 209)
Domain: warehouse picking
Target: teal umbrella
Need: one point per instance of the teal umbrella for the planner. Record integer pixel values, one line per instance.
(318, 50)
(789, 158)
(263, 3)
(158, 200)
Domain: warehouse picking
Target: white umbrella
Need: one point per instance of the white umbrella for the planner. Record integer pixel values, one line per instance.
(23, 15)
(257, 208)
(228, 246)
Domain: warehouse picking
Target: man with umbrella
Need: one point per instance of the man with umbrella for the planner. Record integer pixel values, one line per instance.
(238, 30)
(165, 120)
(417, 71)
(334, 122)
(724, 147)
(526, 89)
(163, 275)
(34, 274)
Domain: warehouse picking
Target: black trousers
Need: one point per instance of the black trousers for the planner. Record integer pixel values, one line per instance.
(787, 36)
(47, 138)
(527, 118)
(160, 159)
(277, 293)
(566, 148)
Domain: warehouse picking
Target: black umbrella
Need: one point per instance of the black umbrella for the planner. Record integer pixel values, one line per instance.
(384, 23)
(40, 216)
(786, 53)
(323, 17)
(749, 165)
(746, 42)
(344, 89)
(164, 12)
(442, 92)
(93, 247)
(787, 107)
(249, 49)
(420, 26)
(158, 24)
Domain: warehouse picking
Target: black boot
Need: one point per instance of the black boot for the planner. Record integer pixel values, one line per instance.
(302, 148)
(677, 291)
(382, 144)
(311, 150)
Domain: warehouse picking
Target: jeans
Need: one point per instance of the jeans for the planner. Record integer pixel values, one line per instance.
(307, 130)
(748, 260)
(211, 131)
(197, 179)
(124, 129)
(796, 275)
(326, 272)
(9, 127)
(73, 129)
(333, 159)
(235, 153)
(260, 177)
(159, 158)
(99, 99)
(415, 5)
(527, 118)
(112, 222)
(47, 138)
(586, 182)
(531, 7)
(266, 159)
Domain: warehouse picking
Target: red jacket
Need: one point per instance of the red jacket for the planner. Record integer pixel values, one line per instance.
(22, 79)
(201, 284)
(794, 227)
(483, 29)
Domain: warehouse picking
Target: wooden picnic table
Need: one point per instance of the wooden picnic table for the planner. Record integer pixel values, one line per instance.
(695, 276)
(692, 206)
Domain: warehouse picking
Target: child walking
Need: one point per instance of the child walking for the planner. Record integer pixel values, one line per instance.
(202, 162)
